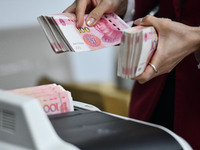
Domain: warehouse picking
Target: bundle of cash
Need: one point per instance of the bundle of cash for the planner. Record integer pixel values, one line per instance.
(137, 47)
(64, 36)
(53, 98)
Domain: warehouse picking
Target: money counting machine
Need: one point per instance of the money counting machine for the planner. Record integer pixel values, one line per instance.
(25, 126)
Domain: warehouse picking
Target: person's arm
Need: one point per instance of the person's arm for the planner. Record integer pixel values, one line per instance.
(96, 8)
(175, 42)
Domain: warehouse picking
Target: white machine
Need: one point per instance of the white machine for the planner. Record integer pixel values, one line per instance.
(25, 126)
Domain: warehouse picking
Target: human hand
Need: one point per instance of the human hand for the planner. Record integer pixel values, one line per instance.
(175, 42)
(95, 8)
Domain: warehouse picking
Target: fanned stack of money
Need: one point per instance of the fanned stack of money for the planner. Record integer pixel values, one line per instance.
(64, 36)
(53, 98)
(137, 47)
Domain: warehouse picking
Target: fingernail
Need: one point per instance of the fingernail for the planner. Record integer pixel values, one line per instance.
(138, 21)
(77, 24)
(90, 22)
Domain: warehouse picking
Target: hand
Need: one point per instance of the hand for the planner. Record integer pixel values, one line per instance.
(175, 42)
(95, 8)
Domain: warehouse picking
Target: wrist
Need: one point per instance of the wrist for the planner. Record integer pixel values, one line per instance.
(196, 38)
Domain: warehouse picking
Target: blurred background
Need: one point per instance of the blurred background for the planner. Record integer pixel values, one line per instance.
(26, 58)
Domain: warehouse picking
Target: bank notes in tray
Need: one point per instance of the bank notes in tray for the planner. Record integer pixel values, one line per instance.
(64, 36)
(136, 49)
(53, 98)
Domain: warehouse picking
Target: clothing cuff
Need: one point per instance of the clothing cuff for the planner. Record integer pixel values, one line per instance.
(197, 55)
(130, 11)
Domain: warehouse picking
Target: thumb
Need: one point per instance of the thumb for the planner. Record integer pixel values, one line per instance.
(95, 15)
(146, 21)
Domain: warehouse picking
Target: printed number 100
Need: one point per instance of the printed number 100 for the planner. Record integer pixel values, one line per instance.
(83, 29)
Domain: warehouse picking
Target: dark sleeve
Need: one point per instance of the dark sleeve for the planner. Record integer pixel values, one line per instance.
(143, 7)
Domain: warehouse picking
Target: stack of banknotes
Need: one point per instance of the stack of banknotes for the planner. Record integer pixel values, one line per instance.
(136, 49)
(64, 36)
(53, 98)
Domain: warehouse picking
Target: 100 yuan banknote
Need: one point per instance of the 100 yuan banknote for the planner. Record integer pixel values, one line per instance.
(53, 98)
(107, 32)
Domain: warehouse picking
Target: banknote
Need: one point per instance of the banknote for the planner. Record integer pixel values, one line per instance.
(64, 36)
(53, 98)
(137, 47)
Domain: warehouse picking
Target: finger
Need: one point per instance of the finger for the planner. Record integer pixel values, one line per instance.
(94, 16)
(147, 75)
(95, 2)
(153, 69)
(81, 6)
(71, 9)
(146, 21)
